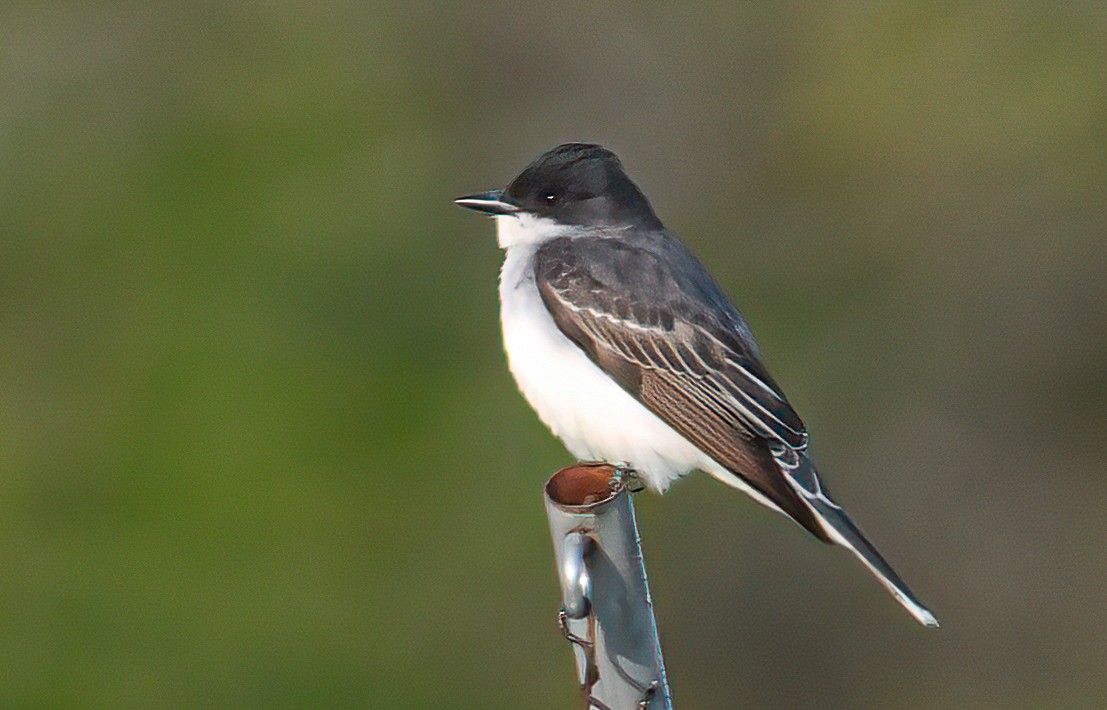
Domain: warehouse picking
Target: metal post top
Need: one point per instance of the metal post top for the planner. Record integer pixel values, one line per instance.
(584, 486)
(606, 611)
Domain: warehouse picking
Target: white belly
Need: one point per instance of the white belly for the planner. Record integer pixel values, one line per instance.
(587, 410)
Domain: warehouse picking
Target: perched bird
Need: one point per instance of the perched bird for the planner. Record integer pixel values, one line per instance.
(631, 353)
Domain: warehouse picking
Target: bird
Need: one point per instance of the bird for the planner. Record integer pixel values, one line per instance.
(632, 354)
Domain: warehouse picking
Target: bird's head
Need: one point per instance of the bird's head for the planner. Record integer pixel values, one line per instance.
(575, 184)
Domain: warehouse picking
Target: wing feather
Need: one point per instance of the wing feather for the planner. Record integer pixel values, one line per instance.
(696, 369)
(716, 357)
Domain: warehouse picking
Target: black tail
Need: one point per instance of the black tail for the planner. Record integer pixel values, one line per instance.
(841, 530)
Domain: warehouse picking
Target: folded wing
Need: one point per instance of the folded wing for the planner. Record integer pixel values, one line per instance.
(652, 319)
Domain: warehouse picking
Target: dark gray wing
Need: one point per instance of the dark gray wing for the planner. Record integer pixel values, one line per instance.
(648, 314)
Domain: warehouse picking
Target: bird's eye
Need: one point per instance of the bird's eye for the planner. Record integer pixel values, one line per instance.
(552, 198)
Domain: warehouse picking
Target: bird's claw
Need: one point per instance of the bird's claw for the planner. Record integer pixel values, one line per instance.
(628, 477)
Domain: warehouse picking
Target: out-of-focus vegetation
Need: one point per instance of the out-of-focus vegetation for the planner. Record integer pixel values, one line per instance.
(258, 446)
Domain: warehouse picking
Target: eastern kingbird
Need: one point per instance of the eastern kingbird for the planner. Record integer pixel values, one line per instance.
(631, 353)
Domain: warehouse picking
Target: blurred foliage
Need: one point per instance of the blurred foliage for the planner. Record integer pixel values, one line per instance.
(258, 446)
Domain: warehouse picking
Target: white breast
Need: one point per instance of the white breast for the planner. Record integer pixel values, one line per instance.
(587, 410)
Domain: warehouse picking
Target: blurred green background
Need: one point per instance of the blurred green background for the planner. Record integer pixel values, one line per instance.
(258, 444)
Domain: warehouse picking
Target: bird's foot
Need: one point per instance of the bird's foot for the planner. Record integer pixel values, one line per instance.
(627, 476)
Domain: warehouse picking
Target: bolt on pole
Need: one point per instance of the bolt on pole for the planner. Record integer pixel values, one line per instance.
(606, 612)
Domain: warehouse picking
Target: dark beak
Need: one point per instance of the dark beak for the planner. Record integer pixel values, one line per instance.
(492, 202)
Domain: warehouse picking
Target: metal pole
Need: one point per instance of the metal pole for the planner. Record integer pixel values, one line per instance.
(606, 609)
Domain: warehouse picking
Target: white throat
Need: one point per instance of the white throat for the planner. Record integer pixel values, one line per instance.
(518, 229)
